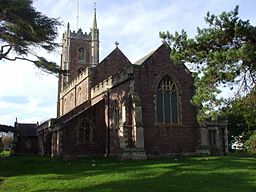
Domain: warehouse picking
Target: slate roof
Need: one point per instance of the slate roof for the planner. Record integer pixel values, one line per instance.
(110, 65)
(144, 58)
(116, 54)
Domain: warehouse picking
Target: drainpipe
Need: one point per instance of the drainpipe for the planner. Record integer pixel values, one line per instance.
(108, 134)
(131, 76)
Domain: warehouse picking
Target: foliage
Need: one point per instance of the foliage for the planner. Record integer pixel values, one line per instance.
(23, 29)
(7, 140)
(192, 174)
(223, 55)
(1, 145)
(241, 115)
(4, 154)
(250, 144)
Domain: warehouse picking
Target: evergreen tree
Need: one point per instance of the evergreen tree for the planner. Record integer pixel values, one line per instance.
(23, 29)
(241, 115)
(223, 55)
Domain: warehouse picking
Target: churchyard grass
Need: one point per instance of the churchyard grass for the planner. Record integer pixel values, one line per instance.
(190, 174)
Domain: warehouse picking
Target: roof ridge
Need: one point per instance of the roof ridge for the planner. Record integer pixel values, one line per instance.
(145, 57)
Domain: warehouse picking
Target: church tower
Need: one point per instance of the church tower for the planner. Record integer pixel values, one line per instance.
(79, 51)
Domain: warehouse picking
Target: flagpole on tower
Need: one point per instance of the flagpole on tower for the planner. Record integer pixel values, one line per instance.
(77, 14)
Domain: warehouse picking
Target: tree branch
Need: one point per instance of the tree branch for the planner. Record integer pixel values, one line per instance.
(21, 58)
(2, 54)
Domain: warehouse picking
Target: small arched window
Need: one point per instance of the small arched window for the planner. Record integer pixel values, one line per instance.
(167, 101)
(85, 133)
(81, 54)
(117, 114)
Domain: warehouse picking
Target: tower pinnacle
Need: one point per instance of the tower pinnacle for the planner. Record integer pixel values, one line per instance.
(94, 26)
(95, 40)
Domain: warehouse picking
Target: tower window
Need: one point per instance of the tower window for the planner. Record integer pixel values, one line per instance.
(81, 54)
(167, 101)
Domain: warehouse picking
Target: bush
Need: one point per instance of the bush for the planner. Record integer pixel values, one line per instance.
(250, 144)
(1, 145)
(5, 154)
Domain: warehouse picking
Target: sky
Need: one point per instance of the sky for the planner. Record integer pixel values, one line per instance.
(28, 94)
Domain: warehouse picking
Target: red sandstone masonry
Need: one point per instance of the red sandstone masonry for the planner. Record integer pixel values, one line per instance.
(120, 94)
(70, 137)
(159, 139)
(75, 45)
(166, 139)
(111, 65)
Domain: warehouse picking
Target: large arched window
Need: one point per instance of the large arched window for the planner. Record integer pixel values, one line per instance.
(81, 54)
(167, 101)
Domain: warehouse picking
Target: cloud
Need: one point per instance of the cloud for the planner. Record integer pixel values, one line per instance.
(13, 99)
(24, 89)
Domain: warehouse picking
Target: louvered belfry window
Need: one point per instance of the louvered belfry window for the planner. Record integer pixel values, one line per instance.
(167, 101)
(81, 54)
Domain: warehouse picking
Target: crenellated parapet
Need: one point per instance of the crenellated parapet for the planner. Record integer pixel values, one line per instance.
(83, 75)
(80, 35)
(75, 93)
(78, 90)
(112, 81)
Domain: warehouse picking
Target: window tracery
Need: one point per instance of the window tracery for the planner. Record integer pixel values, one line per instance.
(167, 101)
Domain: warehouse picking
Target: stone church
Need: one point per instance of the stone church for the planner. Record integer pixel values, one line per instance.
(123, 109)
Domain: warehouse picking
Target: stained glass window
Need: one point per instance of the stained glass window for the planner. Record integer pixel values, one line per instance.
(167, 101)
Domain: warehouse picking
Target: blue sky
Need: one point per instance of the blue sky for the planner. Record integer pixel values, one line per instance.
(30, 95)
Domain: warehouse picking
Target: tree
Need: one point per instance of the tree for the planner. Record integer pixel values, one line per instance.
(222, 55)
(23, 29)
(7, 141)
(1, 145)
(250, 144)
(241, 115)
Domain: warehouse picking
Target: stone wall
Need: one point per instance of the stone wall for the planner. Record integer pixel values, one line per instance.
(118, 124)
(166, 138)
(45, 142)
(26, 145)
(70, 145)
(111, 65)
(75, 63)
(115, 82)
(76, 93)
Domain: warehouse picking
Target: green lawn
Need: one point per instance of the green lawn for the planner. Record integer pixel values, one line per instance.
(191, 174)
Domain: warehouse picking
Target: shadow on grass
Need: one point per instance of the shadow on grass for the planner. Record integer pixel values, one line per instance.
(32, 165)
(174, 180)
(213, 174)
